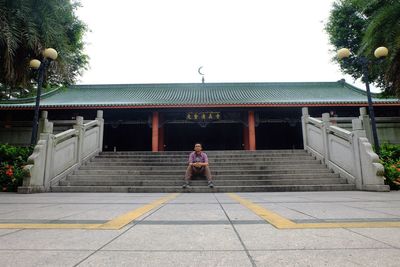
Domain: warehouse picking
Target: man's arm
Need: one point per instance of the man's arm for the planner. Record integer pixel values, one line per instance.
(190, 159)
(202, 164)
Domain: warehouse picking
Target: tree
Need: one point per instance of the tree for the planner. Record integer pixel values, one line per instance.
(362, 26)
(29, 26)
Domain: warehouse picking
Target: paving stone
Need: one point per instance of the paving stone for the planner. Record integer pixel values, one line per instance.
(57, 239)
(390, 236)
(177, 237)
(266, 237)
(13, 258)
(333, 210)
(334, 257)
(170, 258)
(195, 211)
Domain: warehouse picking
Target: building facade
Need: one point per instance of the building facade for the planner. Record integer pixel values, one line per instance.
(221, 116)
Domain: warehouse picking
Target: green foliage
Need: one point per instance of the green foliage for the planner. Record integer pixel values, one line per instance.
(27, 27)
(362, 26)
(390, 155)
(12, 161)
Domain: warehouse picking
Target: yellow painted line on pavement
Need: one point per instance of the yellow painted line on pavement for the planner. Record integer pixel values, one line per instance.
(281, 222)
(114, 224)
(126, 218)
(271, 217)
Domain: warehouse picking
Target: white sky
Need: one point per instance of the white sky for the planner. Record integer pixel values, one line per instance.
(166, 41)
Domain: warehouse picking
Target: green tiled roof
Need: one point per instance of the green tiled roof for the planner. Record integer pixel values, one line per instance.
(186, 94)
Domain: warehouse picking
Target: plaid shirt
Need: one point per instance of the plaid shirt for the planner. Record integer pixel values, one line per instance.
(200, 158)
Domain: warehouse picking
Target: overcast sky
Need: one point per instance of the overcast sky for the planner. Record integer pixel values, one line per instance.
(159, 41)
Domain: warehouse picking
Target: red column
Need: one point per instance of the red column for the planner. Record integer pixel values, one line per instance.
(246, 137)
(252, 131)
(154, 132)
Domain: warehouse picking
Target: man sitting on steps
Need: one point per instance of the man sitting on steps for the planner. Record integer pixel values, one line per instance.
(198, 164)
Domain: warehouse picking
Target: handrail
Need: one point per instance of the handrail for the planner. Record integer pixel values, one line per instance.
(315, 122)
(60, 137)
(340, 132)
(90, 124)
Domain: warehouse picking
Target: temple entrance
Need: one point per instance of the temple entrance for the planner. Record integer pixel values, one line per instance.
(279, 135)
(215, 136)
(127, 137)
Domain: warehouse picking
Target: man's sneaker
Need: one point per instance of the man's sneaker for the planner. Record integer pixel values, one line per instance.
(186, 185)
(210, 184)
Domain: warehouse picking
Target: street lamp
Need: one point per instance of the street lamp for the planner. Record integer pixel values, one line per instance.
(49, 54)
(380, 52)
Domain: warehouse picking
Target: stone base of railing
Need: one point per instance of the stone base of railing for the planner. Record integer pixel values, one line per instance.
(376, 188)
(31, 189)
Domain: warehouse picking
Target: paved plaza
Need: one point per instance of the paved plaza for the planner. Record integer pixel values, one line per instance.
(351, 228)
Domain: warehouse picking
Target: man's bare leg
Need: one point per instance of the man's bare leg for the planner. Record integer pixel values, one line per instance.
(207, 173)
(188, 176)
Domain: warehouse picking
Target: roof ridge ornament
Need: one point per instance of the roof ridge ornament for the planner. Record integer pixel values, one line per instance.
(202, 74)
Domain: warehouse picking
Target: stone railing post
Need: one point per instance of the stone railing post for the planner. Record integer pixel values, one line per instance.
(38, 163)
(366, 122)
(325, 134)
(42, 122)
(81, 134)
(48, 135)
(304, 120)
(100, 120)
(358, 132)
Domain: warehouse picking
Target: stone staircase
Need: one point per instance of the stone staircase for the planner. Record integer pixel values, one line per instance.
(233, 171)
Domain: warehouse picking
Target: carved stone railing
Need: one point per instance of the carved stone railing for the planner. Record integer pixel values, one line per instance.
(348, 153)
(57, 155)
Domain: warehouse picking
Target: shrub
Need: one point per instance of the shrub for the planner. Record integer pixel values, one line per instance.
(390, 156)
(12, 161)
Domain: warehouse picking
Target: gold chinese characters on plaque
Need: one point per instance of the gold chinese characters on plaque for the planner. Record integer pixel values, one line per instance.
(203, 116)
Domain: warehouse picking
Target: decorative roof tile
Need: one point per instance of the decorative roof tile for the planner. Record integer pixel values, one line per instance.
(207, 94)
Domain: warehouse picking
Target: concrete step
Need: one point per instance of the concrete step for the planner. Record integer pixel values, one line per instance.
(212, 160)
(204, 182)
(213, 171)
(233, 156)
(184, 164)
(204, 189)
(213, 168)
(102, 177)
(233, 171)
(211, 152)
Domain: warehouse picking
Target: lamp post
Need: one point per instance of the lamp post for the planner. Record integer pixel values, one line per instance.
(49, 54)
(380, 52)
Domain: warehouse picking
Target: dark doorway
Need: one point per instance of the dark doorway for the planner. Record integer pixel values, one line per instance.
(279, 135)
(127, 137)
(216, 136)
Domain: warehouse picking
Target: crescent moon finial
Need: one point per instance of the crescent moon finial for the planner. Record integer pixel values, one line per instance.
(199, 71)
(202, 74)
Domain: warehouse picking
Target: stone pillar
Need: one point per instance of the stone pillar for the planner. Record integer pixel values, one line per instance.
(366, 122)
(42, 121)
(100, 119)
(154, 132)
(304, 120)
(358, 132)
(324, 132)
(47, 134)
(81, 134)
(246, 137)
(252, 131)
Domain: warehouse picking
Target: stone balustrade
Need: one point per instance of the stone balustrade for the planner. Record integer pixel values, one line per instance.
(348, 153)
(57, 155)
